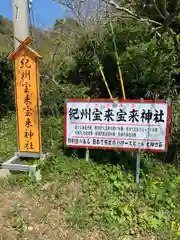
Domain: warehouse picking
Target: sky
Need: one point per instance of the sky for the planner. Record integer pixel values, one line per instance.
(45, 12)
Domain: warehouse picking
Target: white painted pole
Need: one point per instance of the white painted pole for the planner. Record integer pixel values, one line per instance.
(87, 150)
(138, 158)
(87, 155)
(21, 20)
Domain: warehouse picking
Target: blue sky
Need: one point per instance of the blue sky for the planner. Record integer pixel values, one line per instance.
(45, 12)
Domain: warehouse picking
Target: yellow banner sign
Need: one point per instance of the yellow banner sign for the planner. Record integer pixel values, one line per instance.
(27, 100)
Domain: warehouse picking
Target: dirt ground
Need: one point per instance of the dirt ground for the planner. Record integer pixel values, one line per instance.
(40, 217)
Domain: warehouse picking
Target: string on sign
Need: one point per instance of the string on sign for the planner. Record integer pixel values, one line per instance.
(32, 21)
(116, 53)
(100, 67)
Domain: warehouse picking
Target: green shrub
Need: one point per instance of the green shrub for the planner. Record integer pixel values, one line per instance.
(6, 86)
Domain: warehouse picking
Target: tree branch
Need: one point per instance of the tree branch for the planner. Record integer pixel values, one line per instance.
(157, 9)
(146, 20)
(157, 28)
(156, 31)
(135, 16)
(163, 5)
(115, 5)
(175, 39)
(54, 55)
(174, 5)
(68, 5)
(158, 34)
(125, 16)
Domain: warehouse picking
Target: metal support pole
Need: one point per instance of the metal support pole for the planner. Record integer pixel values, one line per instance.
(87, 150)
(87, 155)
(138, 158)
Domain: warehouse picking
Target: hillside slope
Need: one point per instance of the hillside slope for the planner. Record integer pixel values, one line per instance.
(6, 36)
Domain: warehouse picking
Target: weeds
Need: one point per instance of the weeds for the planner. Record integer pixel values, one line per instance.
(105, 196)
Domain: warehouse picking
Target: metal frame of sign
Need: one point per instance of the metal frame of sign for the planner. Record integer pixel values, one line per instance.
(12, 164)
(118, 101)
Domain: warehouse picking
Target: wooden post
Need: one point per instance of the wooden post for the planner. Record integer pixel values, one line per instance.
(27, 98)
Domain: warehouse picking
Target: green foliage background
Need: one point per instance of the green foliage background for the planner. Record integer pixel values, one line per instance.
(69, 69)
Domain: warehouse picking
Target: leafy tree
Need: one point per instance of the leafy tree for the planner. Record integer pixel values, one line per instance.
(161, 15)
(146, 64)
(6, 86)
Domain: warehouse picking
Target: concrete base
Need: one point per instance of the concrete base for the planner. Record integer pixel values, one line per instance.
(12, 165)
(4, 173)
